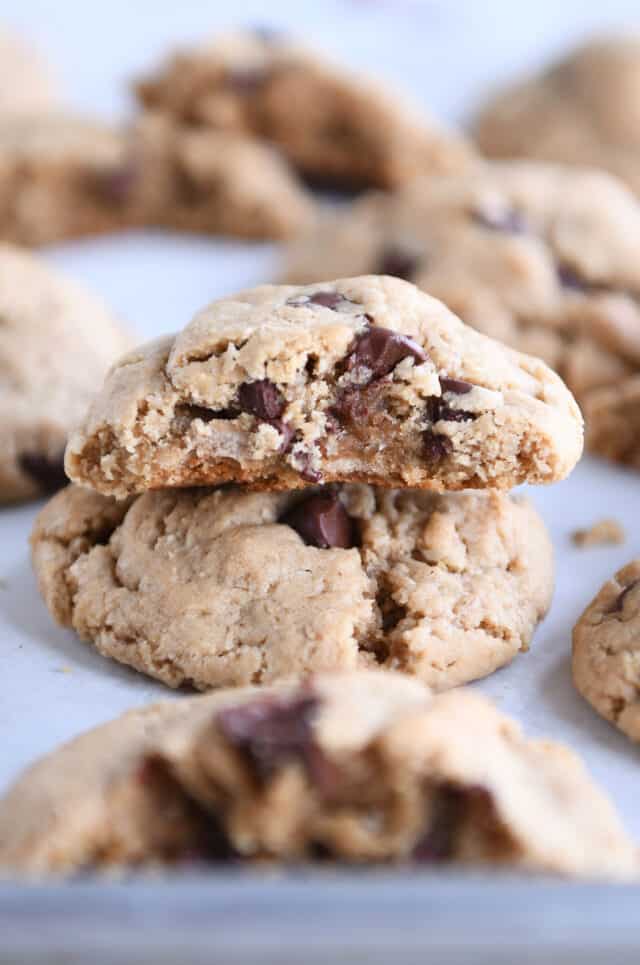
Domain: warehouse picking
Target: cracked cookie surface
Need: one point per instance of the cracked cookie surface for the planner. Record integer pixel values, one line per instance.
(332, 125)
(364, 379)
(606, 651)
(56, 344)
(542, 257)
(223, 587)
(361, 768)
(582, 110)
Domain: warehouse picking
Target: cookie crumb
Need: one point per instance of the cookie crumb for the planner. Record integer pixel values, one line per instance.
(603, 533)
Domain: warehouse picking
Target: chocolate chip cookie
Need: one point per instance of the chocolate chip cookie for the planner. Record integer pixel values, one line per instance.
(56, 344)
(364, 379)
(583, 109)
(67, 177)
(332, 125)
(606, 651)
(542, 257)
(360, 768)
(224, 587)
(26, 83)
(214, 182)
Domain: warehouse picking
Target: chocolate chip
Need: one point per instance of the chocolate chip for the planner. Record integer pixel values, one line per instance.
(270, 731)
(397, 261)
(247, 80)
(201, 412)
(451, 807)
(262, 399)
(328, 299)
(568, 278)
(437, 408)
(287, 432)
(381, 349)
(435, 447)
(618, 603)
(322, 521)
(46, 472)
(116, 185)
(509, 221)
(457, 386)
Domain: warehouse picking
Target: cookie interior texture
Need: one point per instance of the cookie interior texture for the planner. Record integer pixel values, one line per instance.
(539, 256)
(365, 379)
(334, 126)
(221, 587)
(606, 651)
(57, 342)
(359, 767)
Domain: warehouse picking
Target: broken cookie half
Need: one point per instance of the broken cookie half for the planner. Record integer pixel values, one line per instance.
(357, 768)
(365, 379)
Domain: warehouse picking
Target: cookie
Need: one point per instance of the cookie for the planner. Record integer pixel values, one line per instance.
(60, 177)
(606, 651)
(613, 420)
(332, 125)
(542, 257)
(582, 109)
(360, 768)
(215, 182)
(26, 84)
(224, 587)
(364, 379)
(67, 177)
(56, 344)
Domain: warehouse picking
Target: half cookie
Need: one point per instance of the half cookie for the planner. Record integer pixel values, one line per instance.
(606, 651)
(362, 768)
(365, 379)
(56, 344)
(219, 587)
(332, 125)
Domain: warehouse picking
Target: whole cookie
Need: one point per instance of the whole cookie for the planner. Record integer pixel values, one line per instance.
(26, 84)
(363, 379)
(606, 651)
(333, 125)
(56, 344)
(542, 257)
(224, 587)
(362, 767)
(583, 109)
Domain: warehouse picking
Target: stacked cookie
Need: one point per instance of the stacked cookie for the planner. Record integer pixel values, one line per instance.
(233, 526)
(341, 419)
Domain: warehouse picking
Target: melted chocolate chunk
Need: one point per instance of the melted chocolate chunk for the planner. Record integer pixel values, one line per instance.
(450, 808)
(46, 472)
(397, 261)
(435, 447)
(509, 221)
(322, 521)
(269, 731)
(328, 299)
(457, 386)
(262, 399)
(381, 349)
(618, 603)
(287, 432)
